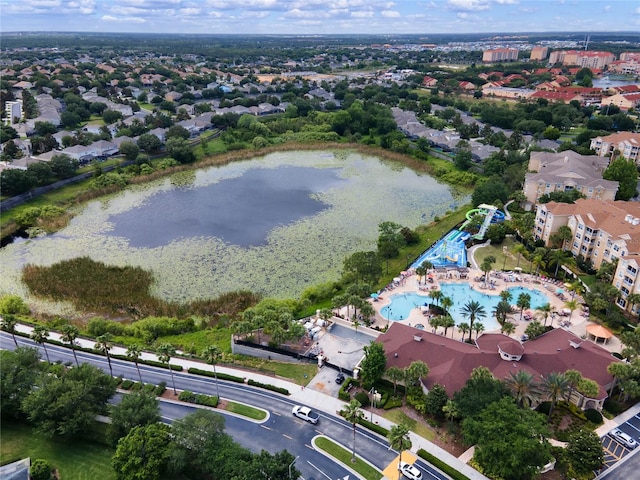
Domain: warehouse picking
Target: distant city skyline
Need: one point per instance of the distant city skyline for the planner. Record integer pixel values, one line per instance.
(281, 17)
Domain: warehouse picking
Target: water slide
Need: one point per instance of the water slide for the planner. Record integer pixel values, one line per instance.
(490, 212)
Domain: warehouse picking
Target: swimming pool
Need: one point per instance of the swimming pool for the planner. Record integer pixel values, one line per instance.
(460, 293)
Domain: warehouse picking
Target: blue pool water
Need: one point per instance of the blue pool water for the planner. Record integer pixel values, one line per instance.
(461, 293)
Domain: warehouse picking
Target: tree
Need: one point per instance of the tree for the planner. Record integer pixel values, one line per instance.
(40, 173)
(395, 374)
(478, 328)
(524, 302)
(66, 404)
(8, 323)
(534, 329)
(510, 442)
(19, 370)
(374, 363)
(40, 335)
(486, 266)
(519, 249)
(462, 158)
(129, 149)
(103, 345)
(390, 240)
(543, 312)
(416, 371)
(69, 335)
(508, 328)
(14, 181)
(63, 166)
(490, 191)
(472, 310)
(399, 440)
(133, 353)
(436, 400)
(464, 328)
(626, 173)
(523, 387)
(501, 310)
(447, 322)
(478, 392)
(450, 411)
(165, 352)
(353, 413)
(572, 305)
(149, 143)
(364, 267)
(136, 409)
(144, 453)
(212, 355)
(40, 470)
(585, 453)
(180, 150)
(555, 386)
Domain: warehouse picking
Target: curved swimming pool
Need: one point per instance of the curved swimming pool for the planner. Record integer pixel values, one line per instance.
(460, 293)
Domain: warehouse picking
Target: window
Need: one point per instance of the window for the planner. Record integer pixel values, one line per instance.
(632, 269)
(616, 248)
(579, 226)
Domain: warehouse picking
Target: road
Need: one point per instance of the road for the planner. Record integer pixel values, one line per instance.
(281, 431)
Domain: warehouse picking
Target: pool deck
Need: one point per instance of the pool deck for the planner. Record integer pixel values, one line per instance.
(412, 284)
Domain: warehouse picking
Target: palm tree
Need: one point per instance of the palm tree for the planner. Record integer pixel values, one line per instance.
(486, 266)
(8, 323)
(421, 271)
(69, 335)
(555, 385)
(557, 257)
(133, 352)
(519, 249)
(415, 371)
(478, 328)
(352, 413)
(543, 312)
(523, 388)
(634, 299)
(165, 352)
(39, 335)
(435, 322)
(450, 410)
(447, 303)
(447, 323)
(436, 295)
(571, 305)
(212, 355)
(564, 234)
(399, 440)
(574, 377)
(524, 301)
(501, 310)
(103, 345)
(473, 310)
(507, 328)
(506, 296)
(395, 374)
(464, 328)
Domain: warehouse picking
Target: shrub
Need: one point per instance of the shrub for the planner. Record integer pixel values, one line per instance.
(343, 394)
(209, 401)
(160, 389)
(544, 408)
(221, 376)
(594, 416)
(373, 427)
(149, 388)
(126, 384)
(187, 396)
(40, 470)
(392, 402)
(13, 305)
(266, 386)
(363, 398)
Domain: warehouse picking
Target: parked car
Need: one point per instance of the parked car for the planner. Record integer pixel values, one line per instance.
(624, 438)
(306, 414)
(340, 378)
(410, 472)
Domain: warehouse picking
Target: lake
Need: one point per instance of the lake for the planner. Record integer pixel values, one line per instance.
(274, 225)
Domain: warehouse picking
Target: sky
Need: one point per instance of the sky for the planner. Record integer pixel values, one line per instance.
(320, 16)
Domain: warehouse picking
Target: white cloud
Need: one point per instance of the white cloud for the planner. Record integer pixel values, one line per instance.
(111, 18)
(390, 14)
(189, 11)
(245, 4)
(44, 3)
(362, 14)
(472, 5)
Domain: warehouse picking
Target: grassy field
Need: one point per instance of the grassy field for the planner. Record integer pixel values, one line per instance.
(76, 459)
(397, 416)
(365, 470)
(506, 258)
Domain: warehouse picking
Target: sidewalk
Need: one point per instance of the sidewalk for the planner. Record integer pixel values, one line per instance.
(306, 396)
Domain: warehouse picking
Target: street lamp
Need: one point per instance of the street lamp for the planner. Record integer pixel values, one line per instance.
(291, 465)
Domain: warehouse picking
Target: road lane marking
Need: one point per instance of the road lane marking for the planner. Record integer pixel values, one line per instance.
(320, 471)
(287, 436)
(265, 427)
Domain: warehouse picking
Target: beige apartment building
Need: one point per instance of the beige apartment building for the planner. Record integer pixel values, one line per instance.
(582, 58)
(500, 55)
(626, 143)
(568, 170)
(627, 280)
(538, 53)
(602, 230)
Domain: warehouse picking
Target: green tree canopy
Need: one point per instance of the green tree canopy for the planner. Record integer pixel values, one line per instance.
(19, 371)
(626, 172)
(144, 454)
(510, 442)
(136, 409)
(374, 363)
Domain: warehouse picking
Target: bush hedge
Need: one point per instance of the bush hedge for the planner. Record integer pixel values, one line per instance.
(594, 416)
(221, 376)
(393, 402)
(267, 386)
(343, 394)
(198, 398)
(126, 384)
(439, 464)
(363, 398)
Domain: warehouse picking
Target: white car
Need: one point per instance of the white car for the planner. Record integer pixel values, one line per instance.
(306, 414)
(410, 472)
(624, 438)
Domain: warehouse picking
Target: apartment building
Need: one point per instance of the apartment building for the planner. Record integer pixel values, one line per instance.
(582, 58)
(624, 101)
(627, 279)
(500, 55)
(626, 143)
(568, 170)
(538, 53)
(13, 110)
(602, 230)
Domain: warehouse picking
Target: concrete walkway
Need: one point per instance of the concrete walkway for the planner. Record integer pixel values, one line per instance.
(299, 394)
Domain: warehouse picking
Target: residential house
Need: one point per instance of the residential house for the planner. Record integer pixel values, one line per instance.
(81, 153)
(564, 171)
(451, 361)
(627, 144)
(624, 101)
(429, 82)
(104, 148)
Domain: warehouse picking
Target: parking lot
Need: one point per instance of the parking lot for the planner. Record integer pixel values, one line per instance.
(614, 449)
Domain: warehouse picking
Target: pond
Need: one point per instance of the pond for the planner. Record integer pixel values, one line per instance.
(274, 225)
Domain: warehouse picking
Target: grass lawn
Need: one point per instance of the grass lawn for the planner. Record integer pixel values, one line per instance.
(507, 257)
(365, 470)
(76, 459)
(245, 410)
(397, 416)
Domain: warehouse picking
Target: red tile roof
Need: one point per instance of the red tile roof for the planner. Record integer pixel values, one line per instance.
(451, 361)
